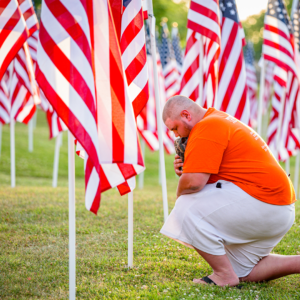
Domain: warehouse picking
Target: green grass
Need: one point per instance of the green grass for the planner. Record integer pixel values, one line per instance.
(34, 237)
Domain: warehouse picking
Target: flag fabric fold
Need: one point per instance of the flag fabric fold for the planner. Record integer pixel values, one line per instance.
(80, 72)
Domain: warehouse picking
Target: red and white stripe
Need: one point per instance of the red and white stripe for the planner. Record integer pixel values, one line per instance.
(252, 93)
(32, 42)
(13, 32)
(21, 88)
(280, 80)
(191, 73)
(210, 72)
(203, 17)
(4, 102)
(134, 58)
(56, 125)
(171, 78)
(278, 44)
(232, 90)
(146, 121)
(269, 69)
(200, 65)
(81, 73)
(29, 15)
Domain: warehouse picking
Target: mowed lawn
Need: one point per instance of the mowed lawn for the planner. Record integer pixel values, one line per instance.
(34, 236)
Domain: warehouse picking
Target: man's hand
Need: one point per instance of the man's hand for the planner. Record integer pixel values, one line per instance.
(177, 164)
(190, 183)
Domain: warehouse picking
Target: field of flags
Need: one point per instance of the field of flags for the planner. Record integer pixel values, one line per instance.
(103, 70)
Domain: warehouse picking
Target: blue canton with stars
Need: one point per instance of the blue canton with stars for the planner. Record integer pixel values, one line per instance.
(147, 38)
(229, 10)
(277, 9)
(249, 54)
(177, 49)
(296, 24)
(164, 49)
(126, 2)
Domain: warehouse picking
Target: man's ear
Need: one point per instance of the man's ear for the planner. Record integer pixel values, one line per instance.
(186, 115)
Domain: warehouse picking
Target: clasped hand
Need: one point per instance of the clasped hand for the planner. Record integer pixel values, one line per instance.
(177, 164)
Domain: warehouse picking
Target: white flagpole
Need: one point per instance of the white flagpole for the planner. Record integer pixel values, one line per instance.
(12, 153)
(261, 96)
(12, 133)
(72, 228)
(159, 172)
(30, 135)
(141, 175)
(287, 166)
(56, 159)
(130, 230)
(0, 138)
(280, 119)
(296, 174)
(34, 119)
(200, 70)
(158, 111)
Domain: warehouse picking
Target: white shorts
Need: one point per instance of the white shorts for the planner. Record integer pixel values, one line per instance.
(229, 221)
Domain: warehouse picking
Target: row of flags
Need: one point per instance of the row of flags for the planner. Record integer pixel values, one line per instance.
(279, 48)
(89, 66)
(19, 92)
(218, 68)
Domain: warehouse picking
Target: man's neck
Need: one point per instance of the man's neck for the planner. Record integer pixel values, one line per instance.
(199, 116)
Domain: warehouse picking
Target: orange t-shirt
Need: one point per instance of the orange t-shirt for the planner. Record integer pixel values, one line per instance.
(229, 150)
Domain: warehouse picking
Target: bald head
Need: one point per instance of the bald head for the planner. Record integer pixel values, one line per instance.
(175, 105)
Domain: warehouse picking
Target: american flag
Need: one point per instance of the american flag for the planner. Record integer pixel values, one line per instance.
(176, 47)
(56, 125)
(168, 62)
(251, 83)
(279, 47)
(199, 75)
(290, 132)
(191, 72)
(203, 17)
(81, 73)
(146, 121)
(13, 32)
(29, 15)
(278, 40)
(133, 51)
(232, 90)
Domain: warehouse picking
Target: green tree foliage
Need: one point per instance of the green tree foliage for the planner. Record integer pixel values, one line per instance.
(175, 11)
(254, 26)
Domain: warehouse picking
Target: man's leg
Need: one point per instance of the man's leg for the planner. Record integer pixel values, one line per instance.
(274, 266)
(223, 273)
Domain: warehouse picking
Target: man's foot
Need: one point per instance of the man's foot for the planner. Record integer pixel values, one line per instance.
(217, 280)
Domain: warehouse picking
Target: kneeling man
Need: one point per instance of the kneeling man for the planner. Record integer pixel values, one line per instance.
(234, 201)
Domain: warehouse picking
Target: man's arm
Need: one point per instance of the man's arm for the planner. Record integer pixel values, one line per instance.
(190, 183)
